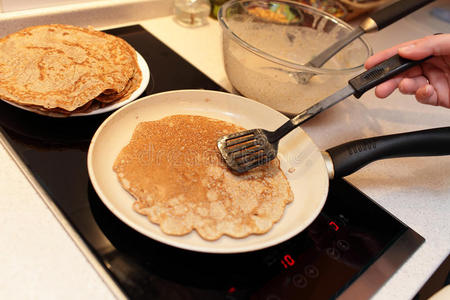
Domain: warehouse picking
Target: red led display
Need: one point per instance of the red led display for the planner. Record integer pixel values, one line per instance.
(287, 261)
(334, 226)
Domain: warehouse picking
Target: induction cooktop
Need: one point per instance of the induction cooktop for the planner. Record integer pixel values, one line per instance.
(348, 252)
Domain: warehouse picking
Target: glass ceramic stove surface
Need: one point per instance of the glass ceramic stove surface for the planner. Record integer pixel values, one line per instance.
(348, 252)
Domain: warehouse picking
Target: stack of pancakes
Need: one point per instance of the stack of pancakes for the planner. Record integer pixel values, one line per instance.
(66, 69)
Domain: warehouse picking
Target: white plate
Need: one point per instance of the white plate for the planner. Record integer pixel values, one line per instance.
(145, 79)
(300, 159)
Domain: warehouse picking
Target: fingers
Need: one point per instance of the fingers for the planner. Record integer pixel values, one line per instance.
(440, 84)
(429, 81)
(409, 86)
(427, 95)
(386, 88)
(431, 89)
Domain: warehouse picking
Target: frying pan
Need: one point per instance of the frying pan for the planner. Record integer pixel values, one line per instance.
(302, 162)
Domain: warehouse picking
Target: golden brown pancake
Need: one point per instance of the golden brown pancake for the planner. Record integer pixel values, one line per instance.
(63, 67)
(173, 169)
(111, 96)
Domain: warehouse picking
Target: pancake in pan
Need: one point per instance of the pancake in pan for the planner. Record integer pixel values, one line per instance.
(173, 169)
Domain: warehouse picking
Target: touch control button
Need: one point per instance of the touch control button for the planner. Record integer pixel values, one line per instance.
(311, 271)
(333, 253)
(299, 281)
(343, 245)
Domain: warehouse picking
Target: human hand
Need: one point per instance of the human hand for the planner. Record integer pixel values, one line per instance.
(429, 81)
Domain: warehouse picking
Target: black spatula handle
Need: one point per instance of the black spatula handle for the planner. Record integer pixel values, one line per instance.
(381, 72)
(350, 157)
(388, 15)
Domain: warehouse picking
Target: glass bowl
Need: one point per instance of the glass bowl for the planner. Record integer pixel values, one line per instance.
(266, 44)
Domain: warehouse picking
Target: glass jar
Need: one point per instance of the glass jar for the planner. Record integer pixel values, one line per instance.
(192, 13)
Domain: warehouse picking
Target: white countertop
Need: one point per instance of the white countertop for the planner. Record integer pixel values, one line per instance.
(39, 259)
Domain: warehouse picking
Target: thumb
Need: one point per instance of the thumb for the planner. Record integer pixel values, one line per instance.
(436, 45)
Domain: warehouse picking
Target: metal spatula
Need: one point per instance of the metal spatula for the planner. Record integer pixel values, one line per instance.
(374, 22)
(248, 149)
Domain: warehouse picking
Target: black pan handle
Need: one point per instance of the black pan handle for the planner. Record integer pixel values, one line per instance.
(352, 156)
(381, 73)
(394, 12)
